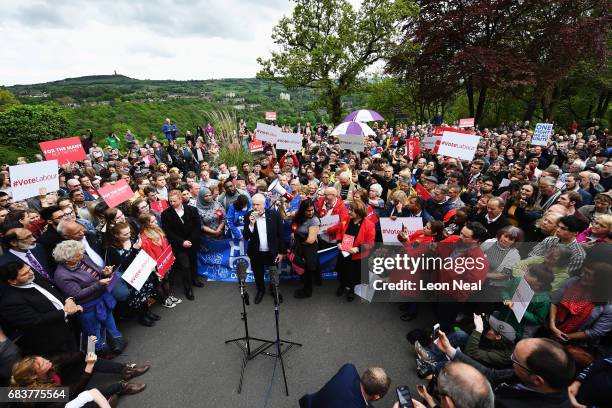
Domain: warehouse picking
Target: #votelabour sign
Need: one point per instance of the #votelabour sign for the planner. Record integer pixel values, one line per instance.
(459, 145)
(28, 179)
(65, 150)
(289, 141)
(267, 133)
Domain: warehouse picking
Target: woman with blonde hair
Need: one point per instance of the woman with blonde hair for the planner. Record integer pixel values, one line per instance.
(598, 231)
(154, 243)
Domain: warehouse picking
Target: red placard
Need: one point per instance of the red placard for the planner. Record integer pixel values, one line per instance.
(422, 191)
(165, 262)
(438, 130)
(159, 206)
(115, 194)
(256, 146)
(413, 148)
(347, 242)
(270, 115)
(65, 150)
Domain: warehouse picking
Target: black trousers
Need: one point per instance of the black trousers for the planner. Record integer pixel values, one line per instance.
(312, 272)
(258, 263)
(186, 265)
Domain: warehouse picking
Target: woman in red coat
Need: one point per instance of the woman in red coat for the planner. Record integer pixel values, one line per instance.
(154, 243)
(356, 238)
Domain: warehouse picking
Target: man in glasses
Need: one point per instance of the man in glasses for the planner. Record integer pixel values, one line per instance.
(540, 374)
(21, 245)
(50, 238)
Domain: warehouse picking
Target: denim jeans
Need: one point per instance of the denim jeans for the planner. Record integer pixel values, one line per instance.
(92, 326)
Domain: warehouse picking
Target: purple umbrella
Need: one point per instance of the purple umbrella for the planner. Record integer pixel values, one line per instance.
(363, 115)
(353, 129)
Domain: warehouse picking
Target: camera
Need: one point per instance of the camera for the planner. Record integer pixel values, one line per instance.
(426, 368)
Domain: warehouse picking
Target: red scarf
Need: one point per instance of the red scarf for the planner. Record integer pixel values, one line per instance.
(573, 311)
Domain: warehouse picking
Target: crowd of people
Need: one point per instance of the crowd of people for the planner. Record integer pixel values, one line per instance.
(536, 214)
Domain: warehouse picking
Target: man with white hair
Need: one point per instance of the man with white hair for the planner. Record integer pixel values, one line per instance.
(331, 204)
(264, 234)
(345, 186)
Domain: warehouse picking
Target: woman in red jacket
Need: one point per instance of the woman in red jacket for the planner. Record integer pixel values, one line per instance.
(154, 243)
(356, 238)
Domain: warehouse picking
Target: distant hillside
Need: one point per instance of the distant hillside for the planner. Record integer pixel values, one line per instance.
(106, 103)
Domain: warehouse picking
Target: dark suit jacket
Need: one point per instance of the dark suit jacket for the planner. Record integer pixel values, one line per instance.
(29, 314)
(39, 253)
(178, 231)
(274, 229)
(49, 239)
(494, 227)
(341, 391)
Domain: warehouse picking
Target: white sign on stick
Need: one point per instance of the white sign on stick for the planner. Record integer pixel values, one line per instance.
(352, 142)
(288, 141)
(139, 270)
(391, 228)
(328, 221)
(458, 145)
(267, 133)
(521, 299)
(541, 134)
(28, 179)
(466, 122)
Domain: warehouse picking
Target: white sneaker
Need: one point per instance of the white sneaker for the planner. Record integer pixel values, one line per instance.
(175, 300)
(168, 303)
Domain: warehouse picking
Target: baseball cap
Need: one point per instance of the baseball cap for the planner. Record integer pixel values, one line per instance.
(504, 329)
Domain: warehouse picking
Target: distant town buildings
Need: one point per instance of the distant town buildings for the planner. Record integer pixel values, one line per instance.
(285, 96)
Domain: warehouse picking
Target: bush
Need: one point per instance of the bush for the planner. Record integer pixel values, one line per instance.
(24, 126)
(234, 156)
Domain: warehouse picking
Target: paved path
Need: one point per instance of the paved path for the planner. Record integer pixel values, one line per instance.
(192, 367)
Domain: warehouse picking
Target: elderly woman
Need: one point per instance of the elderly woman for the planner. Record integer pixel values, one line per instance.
(212, 215)
(502, 255)
(598, 231)
(80, 278)
(374, 199)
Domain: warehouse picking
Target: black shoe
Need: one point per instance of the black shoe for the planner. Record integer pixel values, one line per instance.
(145, 321)
(340, 291)
(198, 283)
(258, 297)
(350, 296)
(302, 294)
(408, 316)
(189, 294)
(153, 316)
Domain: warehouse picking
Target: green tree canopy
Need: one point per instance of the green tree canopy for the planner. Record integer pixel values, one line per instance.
(7, 99)
(26, 125)
(327, 45)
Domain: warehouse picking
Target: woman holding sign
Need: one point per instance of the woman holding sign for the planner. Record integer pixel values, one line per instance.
(121, 251)
(155, 244)
(356, 239)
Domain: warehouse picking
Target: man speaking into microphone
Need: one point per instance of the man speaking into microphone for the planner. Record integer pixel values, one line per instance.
(266, 247)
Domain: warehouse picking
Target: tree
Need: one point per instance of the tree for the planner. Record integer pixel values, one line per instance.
(326, 45)
(7, 99)
(26, 125)
(478, 47)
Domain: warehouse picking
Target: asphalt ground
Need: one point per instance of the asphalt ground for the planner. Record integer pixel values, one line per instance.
(193, 367)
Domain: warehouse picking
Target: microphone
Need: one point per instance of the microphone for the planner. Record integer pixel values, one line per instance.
(274, 277)
(241, 269)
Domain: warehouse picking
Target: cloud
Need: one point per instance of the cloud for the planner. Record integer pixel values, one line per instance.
(156, 39)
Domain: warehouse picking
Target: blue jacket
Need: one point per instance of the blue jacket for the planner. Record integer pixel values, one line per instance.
(437, 211)
(235, 221)
(343, 390)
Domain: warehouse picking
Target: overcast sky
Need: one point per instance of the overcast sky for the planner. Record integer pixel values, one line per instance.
(145, 39)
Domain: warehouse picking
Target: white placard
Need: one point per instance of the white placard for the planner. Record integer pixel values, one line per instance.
(541, 134)
(267, 133)
(288, 141)
(28, 179)
(504, 183)
(466, 122)
(390, 228)
(521, 299)
(139, 270)
(352, 142)
(328, 221)
(430, 142)
(458, 145)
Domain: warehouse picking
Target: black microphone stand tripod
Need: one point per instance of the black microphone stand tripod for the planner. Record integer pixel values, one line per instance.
(279, 342)
(245, 342)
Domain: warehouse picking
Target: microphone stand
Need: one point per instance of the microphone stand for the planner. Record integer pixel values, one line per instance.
(279, 342)
(244, 343)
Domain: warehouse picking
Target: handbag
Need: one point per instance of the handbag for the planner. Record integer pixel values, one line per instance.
(298, 263)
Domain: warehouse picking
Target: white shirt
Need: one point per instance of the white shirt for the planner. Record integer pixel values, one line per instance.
(180, 212)
(93, 255)
(489, 220)
(55, 301)
(22, 256)
(262, 231)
